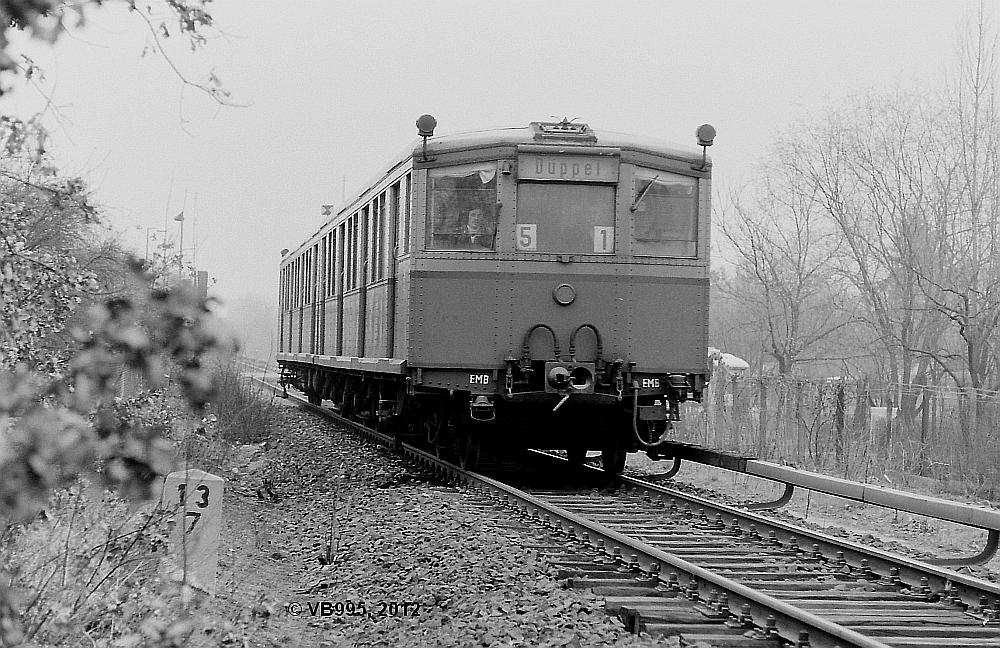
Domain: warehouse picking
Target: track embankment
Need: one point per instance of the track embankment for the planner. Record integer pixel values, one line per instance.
(320, 524)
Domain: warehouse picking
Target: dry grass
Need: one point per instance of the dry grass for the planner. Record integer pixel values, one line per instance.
(244, 411)
(88, 572)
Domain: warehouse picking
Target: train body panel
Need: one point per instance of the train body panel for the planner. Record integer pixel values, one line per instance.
(376, 322)
(329, 329)
(400, 320)
(350, 335)
(508, 273)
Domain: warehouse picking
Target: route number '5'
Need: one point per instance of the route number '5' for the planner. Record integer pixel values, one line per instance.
(527, 239)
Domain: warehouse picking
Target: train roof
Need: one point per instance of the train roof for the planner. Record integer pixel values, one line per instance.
(558, 135)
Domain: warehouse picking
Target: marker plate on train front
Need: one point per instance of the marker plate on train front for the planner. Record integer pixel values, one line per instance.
(479, 379)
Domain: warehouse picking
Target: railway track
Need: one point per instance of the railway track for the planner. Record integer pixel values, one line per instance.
(668, 562)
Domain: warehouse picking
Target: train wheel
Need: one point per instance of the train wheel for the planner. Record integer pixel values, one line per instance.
(347, 404)
(445, 440)
(576, 455)
(374, 421)
(433, 422)
(613, 458)
(469, 445)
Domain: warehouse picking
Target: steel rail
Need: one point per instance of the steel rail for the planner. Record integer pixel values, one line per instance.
(978, 517)
(790, 621)
(969, 588)
(944, 582)
(912, 570)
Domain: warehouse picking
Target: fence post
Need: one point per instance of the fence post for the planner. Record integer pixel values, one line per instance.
(838, 417)
(888, 420)
(800, 424)
(762, 430)
(925, 419)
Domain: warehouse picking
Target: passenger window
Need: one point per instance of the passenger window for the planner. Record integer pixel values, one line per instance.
(461, 212)
(665, 215)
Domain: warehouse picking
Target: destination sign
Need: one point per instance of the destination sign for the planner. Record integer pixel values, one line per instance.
(578, 168)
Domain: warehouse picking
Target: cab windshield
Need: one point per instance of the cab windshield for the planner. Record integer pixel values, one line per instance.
(665, 215)
(565, 218)
(461, 214)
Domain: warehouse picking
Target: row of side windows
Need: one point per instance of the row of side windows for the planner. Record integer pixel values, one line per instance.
(356, 251)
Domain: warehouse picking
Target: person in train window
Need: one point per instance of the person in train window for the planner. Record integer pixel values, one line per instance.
(480, 228)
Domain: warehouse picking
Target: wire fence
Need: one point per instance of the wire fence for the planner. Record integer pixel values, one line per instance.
(855, 429)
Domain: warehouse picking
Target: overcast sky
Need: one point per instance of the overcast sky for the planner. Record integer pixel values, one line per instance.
(333, 88)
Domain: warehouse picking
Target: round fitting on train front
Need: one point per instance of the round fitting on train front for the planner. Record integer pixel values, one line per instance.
(581, 379)
(564, 294)
(559, 377)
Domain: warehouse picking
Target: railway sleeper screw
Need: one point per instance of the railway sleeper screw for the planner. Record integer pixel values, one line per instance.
(866, 570)
(673, 582)
(771, 627)
(687, 511)
(633, 563)
(752, 534)
(793, 545)
(616, 555)
(734, 528)
(816, 554)
(654, 570)
(893, 579)
(586, 540)
(713, 599)
(954, 597)
(691, 592)
(772, 539)
(746, 617)
(719, 522)
(803, 641)
(703, 516)
(673, 506)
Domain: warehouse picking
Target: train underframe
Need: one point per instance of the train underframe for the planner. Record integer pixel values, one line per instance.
(456, 422)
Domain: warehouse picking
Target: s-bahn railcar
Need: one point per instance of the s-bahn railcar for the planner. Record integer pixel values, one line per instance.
(543, 286)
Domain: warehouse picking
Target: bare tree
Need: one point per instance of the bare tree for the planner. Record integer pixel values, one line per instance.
(782, 270)
(959, 273)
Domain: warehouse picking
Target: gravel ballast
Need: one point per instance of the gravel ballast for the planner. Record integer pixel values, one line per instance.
(329, 540)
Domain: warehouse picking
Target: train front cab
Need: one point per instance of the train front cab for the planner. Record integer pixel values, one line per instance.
(561, 294)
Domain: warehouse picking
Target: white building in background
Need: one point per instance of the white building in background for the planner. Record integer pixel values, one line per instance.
(733, 363)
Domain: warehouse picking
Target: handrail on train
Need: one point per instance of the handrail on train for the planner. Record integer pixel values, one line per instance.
(934, 507)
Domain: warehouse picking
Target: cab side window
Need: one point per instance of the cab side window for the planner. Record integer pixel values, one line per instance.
(462, 208)
(665, 215)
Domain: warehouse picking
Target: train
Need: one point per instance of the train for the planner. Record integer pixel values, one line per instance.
(542, 286)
